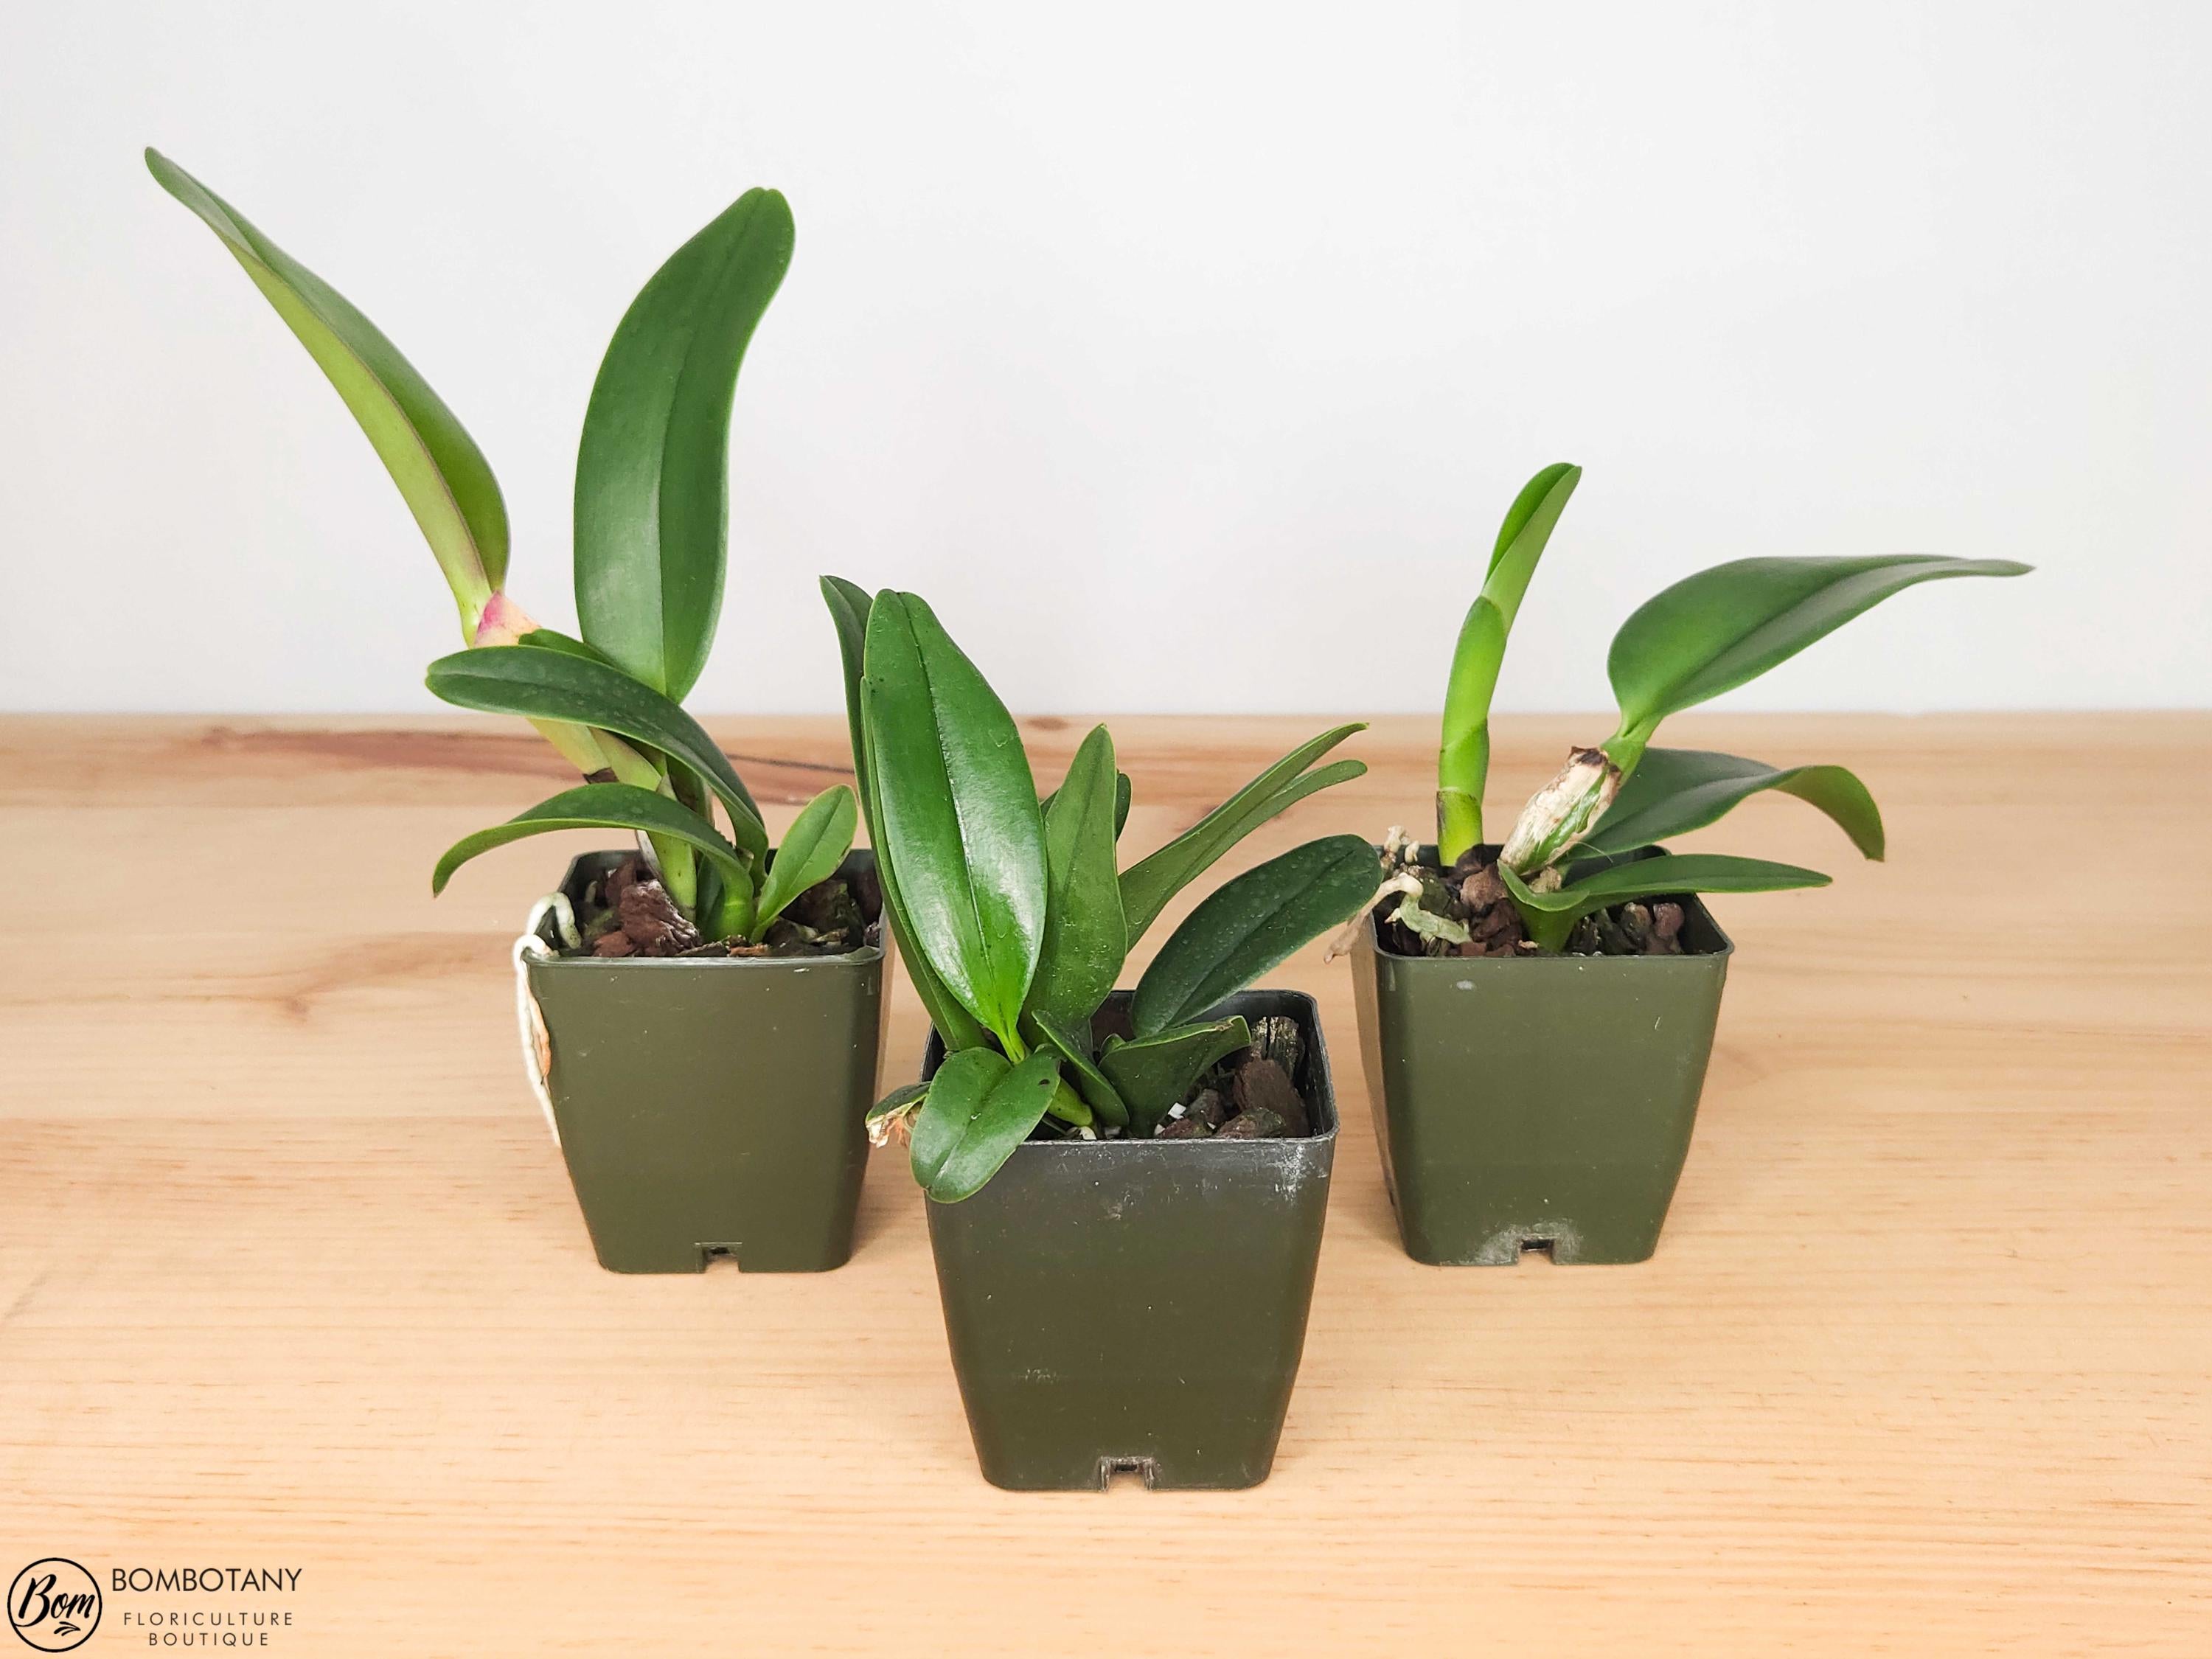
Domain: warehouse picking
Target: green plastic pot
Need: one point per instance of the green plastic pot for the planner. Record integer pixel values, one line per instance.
(713, 1107)
(1138, 1306)
(1536, 1103)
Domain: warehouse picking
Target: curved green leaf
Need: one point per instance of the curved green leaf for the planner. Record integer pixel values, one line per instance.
(443, 476)
(652, 471)
(1148, 884)
(1152, 1074)
(1090, 1082)
(849, 606)
(1711, 632)
(1464, 759)
(1085, 939)
(1251, 924)
(1550, 917)
(811, 851)
(978, 1111)
(599, 806)
(555, 685)
(1675, 790)
(957, 811)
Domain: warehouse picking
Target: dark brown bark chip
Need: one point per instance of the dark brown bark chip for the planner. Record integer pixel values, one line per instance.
(1208, 1108)
(1263, 1088)
(1183, 1128)
(1257, 1124)
(614, 943)
(1276, 1037)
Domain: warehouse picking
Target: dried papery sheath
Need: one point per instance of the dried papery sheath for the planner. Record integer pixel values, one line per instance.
(1563, 810)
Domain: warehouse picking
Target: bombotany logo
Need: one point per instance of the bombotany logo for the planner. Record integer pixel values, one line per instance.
(53, 1605)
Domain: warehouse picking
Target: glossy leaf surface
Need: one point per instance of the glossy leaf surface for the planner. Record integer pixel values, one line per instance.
(1148, 884)
(599, 806)
(810, 852)
(957, 810)
(1251, 924)
(442, 476)
(652, 471)
(849, 606)
(1675, 790)
(1085, 939)
(979, 1110)
(517, 679)
(1711, 632)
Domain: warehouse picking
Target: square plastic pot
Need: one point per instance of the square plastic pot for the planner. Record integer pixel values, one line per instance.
(1537, 1102)
(713, 1107)
(1139, 1305)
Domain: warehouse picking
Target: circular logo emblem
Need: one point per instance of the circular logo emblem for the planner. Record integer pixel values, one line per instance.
(53, 1605)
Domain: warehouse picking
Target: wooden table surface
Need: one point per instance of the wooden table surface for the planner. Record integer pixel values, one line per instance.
(290, 1275)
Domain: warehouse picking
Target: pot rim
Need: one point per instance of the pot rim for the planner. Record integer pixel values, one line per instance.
(861, 956)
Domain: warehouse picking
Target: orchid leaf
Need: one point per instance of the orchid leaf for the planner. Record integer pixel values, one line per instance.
(1713, 631)
(600, 806)
(653, 471)
(956, 809)
(1085, 939)
(978, 1111)
(1152, 1073)
(1551, 916)
(1097, 1093)
(1249, 925)
(1148, 884)
(849, 606)
(810, 852)
(553, 685)
(1675, 790)
(442, 476)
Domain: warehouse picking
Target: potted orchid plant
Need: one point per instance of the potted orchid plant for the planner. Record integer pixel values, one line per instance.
(1126, 1188)
(706, 1008)
(1536, 1012)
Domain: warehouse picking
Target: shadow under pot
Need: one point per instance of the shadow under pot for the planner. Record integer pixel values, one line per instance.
(1536, 1103)
(713, 1107)
(1139, 1306)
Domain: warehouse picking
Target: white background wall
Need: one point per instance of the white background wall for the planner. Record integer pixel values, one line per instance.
(1185, 356)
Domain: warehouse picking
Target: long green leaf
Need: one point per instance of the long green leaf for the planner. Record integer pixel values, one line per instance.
(555, 685)
(1069, 1041)
(1086, 938)
(599, 806)
(1464, 759)
(1711, 632)
(1154, 1073)
(957, 811)
(978, 1111)
(1675, 790)
(849, 604)
(1251, 924)
(443, 476)
(1148, 884)
(1550, 917)
(653, 471)
(810, 852)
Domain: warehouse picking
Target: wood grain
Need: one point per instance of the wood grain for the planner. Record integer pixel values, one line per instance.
(290, 1274)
